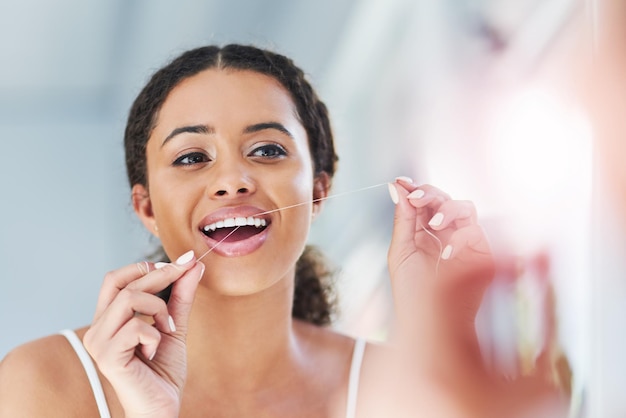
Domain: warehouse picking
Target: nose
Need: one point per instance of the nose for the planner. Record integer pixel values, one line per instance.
(230, 181)
(227, 191)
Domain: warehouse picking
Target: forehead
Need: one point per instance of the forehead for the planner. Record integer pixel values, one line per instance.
(227, 95)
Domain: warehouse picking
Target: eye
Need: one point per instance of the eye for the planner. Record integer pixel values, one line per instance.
(269, 151)
(191, 159)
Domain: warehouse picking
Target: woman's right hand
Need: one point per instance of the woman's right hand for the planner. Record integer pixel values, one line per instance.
(138, 341)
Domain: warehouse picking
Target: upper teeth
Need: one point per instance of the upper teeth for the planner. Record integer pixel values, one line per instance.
(231, 222)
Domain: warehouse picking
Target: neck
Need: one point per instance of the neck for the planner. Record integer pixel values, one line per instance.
(242, 340)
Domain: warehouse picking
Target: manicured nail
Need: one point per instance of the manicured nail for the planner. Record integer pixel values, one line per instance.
(159, 265)
(405, 179)
(185, 258)
(416, 194)
(393, 192)
(171, 322)
(152, 355)
(436, 220)
(447, 252)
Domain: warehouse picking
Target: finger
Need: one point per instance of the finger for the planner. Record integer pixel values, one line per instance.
(116, 280)
(427, 195)
(127, 305)
(143, 267)
(153, 282)
(406, 182)
(472, 238)
(427, 199)
(402, 239)
(137, 333)
(182, 296)
(118, 350)
(458, 213)
(165, 274)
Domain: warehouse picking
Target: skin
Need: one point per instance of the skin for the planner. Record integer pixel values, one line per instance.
(235, 350)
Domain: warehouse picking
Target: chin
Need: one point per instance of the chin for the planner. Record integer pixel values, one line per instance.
(240, 279)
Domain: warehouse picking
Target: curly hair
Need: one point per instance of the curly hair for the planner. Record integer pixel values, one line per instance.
(314, 296)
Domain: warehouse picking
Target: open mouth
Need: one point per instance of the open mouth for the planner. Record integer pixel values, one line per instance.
(234, 229)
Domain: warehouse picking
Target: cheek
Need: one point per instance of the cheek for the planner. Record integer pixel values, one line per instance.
(302, 180)
(171, 204)
(301, 194)
(297, 189)
(294, 193)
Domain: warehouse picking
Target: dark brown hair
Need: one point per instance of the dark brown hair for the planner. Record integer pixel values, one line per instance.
(314, 298)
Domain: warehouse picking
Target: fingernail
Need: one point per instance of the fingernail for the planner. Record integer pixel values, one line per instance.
(171, 322)
(185, 258)
(405, 179)
(393, 192)
(159, 265)
(201, 271)
(447, 252)
(436, 220)
(152, 356)
(416, 194)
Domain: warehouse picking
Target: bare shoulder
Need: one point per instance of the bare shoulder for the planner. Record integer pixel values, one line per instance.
(325, 339)
(42, 378)
(341, 346)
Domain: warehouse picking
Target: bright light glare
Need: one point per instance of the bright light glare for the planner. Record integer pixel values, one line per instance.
(540, 154)
(540, 145)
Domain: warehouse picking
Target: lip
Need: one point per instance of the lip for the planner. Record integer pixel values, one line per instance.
(238, 248)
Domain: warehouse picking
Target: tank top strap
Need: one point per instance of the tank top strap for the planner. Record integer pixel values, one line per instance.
(90, 369)
(355, 373)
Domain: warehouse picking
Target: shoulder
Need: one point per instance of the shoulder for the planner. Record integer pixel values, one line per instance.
(41, 378)
(324, 339)
(339, 345)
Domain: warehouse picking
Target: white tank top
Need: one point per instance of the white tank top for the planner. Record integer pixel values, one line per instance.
(96, 386)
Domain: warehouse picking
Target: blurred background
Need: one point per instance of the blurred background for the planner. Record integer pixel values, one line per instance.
(492, 101)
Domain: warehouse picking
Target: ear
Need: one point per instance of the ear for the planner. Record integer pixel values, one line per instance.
(321, 187)
(143, 208)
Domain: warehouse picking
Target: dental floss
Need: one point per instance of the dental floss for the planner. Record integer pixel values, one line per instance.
(292, 206)
(323, 198)
(218, 243)
(326, 198)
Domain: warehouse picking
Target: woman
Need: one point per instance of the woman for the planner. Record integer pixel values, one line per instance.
(217, 143)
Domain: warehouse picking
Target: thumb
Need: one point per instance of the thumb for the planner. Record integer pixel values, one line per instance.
(404, 220)
(183, 294)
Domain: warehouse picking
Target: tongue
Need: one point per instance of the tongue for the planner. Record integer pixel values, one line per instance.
(243, 232)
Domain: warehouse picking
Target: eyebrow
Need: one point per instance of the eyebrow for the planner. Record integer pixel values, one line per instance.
(193, 129)
(268, 125)
(206, 129)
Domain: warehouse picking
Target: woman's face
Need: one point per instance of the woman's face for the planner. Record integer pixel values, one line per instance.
(227, 146)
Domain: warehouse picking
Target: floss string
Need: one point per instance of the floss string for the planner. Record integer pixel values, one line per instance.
(293, 206)
(323, 198)
(326, 198)
(440, 248)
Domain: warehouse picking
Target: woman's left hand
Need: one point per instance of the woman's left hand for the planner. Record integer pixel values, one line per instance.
(440, 264)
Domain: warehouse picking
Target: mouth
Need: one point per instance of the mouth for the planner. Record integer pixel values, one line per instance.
(235, 229)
